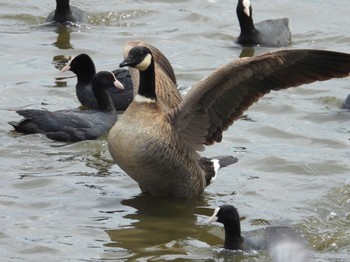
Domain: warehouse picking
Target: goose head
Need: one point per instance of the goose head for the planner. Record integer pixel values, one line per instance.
(139, 57)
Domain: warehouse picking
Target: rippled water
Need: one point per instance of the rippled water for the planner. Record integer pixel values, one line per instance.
(70, 203)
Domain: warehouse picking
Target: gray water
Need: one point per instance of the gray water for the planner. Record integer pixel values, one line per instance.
(64, 202)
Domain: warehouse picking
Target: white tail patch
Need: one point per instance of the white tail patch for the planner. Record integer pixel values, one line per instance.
(145, 63)
(142, 99)
(214, 217)
(246, 4)
(216, 165)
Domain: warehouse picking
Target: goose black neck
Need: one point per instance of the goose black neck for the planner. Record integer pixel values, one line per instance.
(233, 238)
(147, 86)
(245, 22)
(104, 102)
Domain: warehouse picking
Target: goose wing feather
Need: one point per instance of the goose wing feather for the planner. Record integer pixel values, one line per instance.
(215, 102)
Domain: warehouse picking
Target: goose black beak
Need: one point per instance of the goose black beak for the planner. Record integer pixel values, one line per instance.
(126, 62)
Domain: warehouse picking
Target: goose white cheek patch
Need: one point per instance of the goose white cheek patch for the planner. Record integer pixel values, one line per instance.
(142, 66)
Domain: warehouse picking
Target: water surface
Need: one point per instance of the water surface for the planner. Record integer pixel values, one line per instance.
(70, 203)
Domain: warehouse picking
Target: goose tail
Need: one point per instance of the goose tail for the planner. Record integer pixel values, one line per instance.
(212, 165)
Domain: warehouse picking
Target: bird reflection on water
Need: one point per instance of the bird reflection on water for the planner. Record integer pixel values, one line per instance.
(158, 225)
(63, 38)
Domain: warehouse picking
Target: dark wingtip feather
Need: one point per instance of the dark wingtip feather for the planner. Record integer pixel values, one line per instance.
(226, 160)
